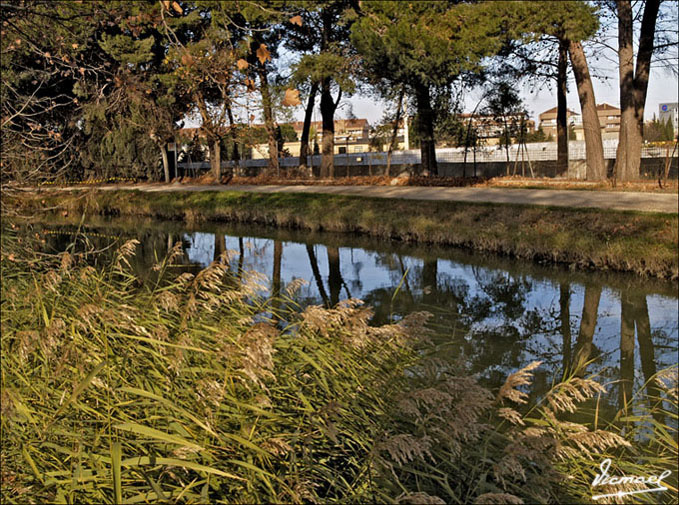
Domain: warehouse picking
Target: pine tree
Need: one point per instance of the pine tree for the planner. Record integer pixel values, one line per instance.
(426, 46)
(327, 65)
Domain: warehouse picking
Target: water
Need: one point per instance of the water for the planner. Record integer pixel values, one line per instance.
(495, 314)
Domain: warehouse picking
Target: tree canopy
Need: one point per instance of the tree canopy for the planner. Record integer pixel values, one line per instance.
(102, 88)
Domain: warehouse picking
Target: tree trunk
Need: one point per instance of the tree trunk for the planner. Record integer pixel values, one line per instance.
(166, 163)
(506, 135)
(633, 85)
(425, 128)
(562, 110)
(394, 131)
(235, 155)
(274, 167)
(328, 119)
(304, 149)
(583, 346)
(215, 159)
(624, 170)
(328, 107)
(596, 166)
(643, 68)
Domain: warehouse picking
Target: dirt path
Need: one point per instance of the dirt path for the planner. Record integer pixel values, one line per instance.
(646, 202)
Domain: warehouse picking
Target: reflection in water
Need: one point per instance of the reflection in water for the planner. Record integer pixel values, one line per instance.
(590, 310)
(496, 314)
(565, 320)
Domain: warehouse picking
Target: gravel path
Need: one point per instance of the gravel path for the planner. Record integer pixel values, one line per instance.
(618, 200)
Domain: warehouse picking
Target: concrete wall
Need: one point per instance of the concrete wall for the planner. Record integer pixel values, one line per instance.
(451, 165)
(650, 169)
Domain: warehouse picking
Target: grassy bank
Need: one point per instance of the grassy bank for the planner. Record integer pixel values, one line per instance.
(642, 243)
(192, 390)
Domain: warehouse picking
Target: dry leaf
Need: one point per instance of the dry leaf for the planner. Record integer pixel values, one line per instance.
(178, 8)
(291, 97)
(74, 46)
(242, 64)
(250, 84)
(263, 53)
(252, 117)
(296, 20)
(166, 4)
(187, 59)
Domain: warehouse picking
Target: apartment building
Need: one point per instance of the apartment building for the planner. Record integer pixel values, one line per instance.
(609, 121)
(351, 136)
(490, 128)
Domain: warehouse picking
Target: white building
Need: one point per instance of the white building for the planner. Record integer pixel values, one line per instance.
(669, 111)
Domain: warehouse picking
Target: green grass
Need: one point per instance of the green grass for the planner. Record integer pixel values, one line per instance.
(642, 243)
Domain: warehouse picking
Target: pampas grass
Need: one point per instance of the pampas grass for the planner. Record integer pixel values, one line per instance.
(196, 389)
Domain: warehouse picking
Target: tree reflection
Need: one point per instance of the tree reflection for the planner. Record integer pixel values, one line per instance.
(565, 317)
(584, 344)
(334, 275)
(313, 261)
(220, 246)
(496, 319)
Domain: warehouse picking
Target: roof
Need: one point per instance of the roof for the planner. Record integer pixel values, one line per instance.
(340, 124)
(606, 106)
(488, 116)
(197, 131)
(554, 110)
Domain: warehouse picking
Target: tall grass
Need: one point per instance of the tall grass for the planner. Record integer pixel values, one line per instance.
(195, 389)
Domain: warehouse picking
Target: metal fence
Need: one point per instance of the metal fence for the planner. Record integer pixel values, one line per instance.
(541, 151)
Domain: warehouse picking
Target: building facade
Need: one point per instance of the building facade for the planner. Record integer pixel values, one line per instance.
(548, 122)
(609, 121)
(351, 136)
(490, 129)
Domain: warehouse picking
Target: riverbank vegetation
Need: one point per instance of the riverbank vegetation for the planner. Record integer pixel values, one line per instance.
(196, 388)
(642, 243)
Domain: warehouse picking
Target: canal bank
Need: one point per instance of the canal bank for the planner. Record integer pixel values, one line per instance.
(643, 243)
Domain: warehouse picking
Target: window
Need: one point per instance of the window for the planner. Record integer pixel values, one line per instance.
(358, 149)
(342, 150)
